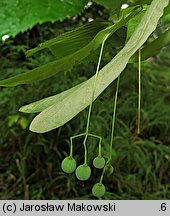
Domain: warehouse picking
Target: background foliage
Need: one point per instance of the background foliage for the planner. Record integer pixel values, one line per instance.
(30, 163)
(18, 15)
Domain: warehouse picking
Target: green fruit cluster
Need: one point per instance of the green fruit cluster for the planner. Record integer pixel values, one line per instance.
(83, 171)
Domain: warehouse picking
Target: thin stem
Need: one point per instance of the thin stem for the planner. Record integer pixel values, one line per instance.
(100, 143)
(104, 170)
(101, 177)
(113, 127)
(100, 149)
(79, 135)
(93, 135)
(94, 87)
(71, 148)
(85, 150)
(86, 136)
(139, 92)
(71, 142)
(92, 99)
(114, 115)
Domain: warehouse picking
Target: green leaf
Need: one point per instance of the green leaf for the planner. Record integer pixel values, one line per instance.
(50, 69)
(114, 5)
(167, 10)
(106, 3)
(71, 41)
(154, 47)
(115, 40)
(133, 23)
(12, 120)
(166, 15)
(23, 122)
(18, 15)
(142, 2)
(124, 12)
(60, 113)
(118, 4)
(166, 19)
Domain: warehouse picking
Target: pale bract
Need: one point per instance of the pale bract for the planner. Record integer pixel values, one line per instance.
(60, 113)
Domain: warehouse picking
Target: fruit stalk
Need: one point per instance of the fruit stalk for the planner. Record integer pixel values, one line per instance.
(139, 91)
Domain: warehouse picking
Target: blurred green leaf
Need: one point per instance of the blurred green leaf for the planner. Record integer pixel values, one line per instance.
(18, 15)
(167, 10)
(133, 23)
(12, 120)
(114, 5)
(60, 113)
(166, 18)
(124, 12)
(166, 15)
(142, 2)
(71, 41)
(23, 122)
(154, 47)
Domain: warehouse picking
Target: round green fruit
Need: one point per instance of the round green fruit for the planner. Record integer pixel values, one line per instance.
(98, 190)
(99, 162)
(83, 172)
(68, 165)
(109, 169)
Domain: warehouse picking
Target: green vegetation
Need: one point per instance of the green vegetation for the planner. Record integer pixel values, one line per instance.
(18, 16)
(138, 165)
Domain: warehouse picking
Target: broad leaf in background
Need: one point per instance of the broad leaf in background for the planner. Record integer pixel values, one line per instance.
(167, 10)
(142, 1)
(50, 69)
(166, 15)
(124, 12)
(154, 47)
(117, 39)
(106, 3)
(69, 42)
(166, 18)
(60, 113)
(114, 5)
(132, 24)
(18, 15)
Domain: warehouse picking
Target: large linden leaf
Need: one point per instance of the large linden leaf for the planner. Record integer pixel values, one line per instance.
(19, 15)
(50, 69)
(69, 42)
(60, 113)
